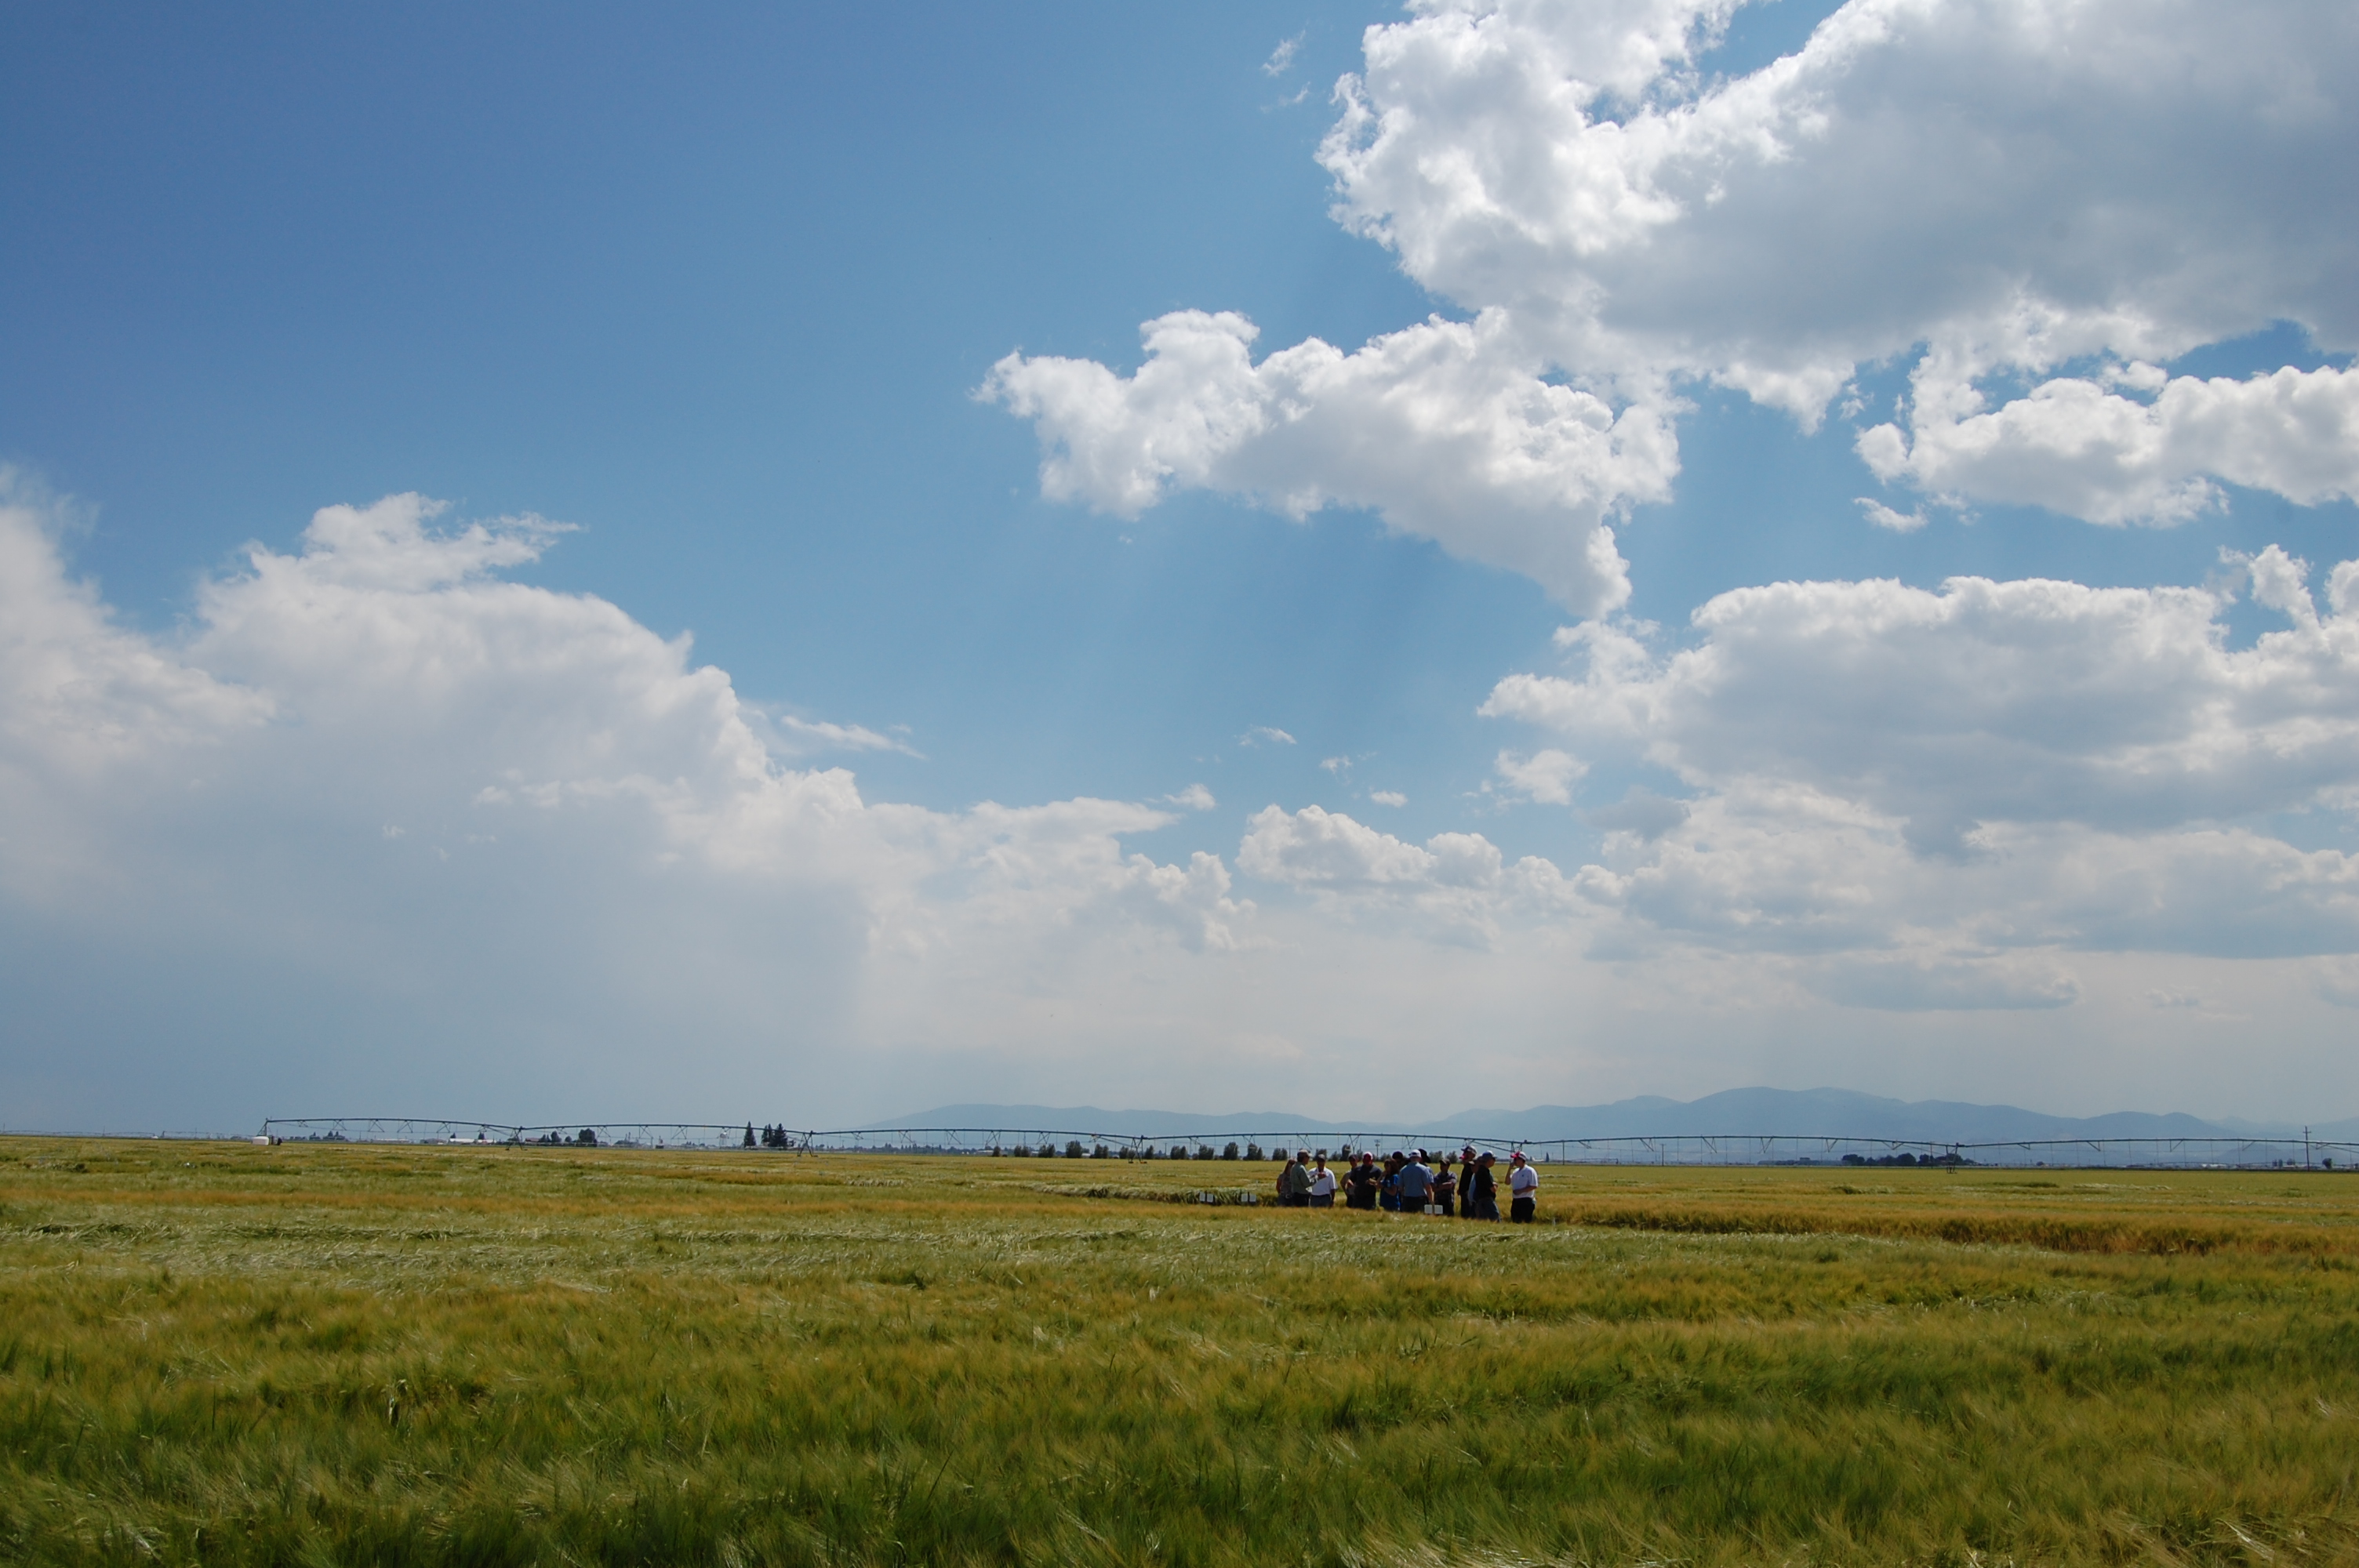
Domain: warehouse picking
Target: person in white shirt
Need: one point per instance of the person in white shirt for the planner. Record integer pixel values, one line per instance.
(1322, 1186)
(1523, 1188)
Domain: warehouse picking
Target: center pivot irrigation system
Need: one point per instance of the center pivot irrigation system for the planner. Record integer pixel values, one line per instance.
(1035, 1142)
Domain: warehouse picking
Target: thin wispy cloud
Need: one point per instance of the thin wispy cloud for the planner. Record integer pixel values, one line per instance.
(1885, 517)
(795, 736)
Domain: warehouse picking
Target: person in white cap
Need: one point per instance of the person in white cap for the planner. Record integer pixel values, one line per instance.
(1523, 1188)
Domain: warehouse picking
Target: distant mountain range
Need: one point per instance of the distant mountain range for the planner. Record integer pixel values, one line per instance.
(1830, 1113)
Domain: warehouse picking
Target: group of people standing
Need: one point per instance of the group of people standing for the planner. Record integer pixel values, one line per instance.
(1413, 1182)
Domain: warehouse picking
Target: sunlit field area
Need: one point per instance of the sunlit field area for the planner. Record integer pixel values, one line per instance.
(374, 1355)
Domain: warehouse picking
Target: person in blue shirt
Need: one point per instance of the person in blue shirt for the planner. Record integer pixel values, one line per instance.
(1415, 1183)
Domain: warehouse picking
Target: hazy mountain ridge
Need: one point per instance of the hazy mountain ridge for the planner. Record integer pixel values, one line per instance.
(1823, 1112)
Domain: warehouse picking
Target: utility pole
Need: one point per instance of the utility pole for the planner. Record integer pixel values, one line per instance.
(2305, 1149)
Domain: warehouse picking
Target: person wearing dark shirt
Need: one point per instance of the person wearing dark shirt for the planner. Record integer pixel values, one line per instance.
(1485, 1191)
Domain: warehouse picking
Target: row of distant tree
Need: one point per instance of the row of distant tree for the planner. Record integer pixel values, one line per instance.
(1074, 1149)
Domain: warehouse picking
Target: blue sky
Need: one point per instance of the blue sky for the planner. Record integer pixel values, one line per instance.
(718, 297)
(733, 296)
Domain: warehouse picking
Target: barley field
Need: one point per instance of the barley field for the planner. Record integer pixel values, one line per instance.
(324, 1354)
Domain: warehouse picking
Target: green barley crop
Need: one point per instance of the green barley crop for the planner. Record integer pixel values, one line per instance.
(349, 1354)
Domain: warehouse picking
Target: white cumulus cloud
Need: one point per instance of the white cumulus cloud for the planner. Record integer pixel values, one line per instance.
(1446, 429)
(2078, 446)
(1546, 776)
(2033, 181)
(1993, 766)
(501, 836)
(1457, 885)
(2025, 701)
(1996, 189)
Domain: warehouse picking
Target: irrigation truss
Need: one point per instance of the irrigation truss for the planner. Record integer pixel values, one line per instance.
(1693, 1148)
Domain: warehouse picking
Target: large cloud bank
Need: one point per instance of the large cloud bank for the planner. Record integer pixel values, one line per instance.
(1952, 779)
(381, 824)
(2039, 204)
(429, 823)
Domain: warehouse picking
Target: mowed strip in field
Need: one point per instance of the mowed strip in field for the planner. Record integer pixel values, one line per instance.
(345, 1354)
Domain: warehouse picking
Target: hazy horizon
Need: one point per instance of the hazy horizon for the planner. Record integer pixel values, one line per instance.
(1755, 1110)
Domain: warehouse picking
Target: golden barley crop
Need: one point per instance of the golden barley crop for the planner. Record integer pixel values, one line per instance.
(222, 1354)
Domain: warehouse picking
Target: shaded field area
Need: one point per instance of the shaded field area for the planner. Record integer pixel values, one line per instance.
(375, 1355)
